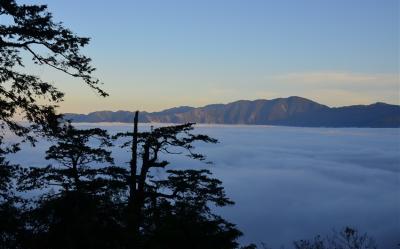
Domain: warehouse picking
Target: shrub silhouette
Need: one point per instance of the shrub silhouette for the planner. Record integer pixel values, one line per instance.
(347, 238)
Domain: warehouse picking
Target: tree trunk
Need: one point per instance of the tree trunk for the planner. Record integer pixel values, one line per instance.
(133, 162)
(134, 199)
(139, 200)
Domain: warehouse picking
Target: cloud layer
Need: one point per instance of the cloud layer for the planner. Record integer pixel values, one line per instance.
(294, 183)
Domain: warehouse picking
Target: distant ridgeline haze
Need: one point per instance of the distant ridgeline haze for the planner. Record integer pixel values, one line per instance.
(292, 111)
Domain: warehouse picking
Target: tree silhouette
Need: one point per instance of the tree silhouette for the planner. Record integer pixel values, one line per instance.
(11, 224)
(347, 238)
(83, 184)
(174, 212)
(87, 196)
(79, 205)
(31, 30)
(82, 166)
(7, 173)
(155, 207)
(179, 215)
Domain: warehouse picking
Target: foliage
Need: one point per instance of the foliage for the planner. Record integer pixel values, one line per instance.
(347, 238)
(155, 208)
(81, 166)
(30, 30)
(79, 204)
(86, 196)
(73, 220)
(183, 218)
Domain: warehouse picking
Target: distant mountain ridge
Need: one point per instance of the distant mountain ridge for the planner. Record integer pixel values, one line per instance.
(291, 111)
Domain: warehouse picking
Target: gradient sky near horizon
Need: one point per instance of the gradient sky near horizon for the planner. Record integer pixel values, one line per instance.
(157, 54)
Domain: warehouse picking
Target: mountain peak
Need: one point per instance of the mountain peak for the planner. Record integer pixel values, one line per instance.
(291, 111)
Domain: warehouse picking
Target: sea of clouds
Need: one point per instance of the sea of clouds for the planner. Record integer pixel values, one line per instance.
(294, 183)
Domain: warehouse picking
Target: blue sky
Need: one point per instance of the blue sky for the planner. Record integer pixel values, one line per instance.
(156, 54)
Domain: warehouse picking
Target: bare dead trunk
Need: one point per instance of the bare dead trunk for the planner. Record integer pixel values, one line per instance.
(133, 162)
(139, 199)
(136, 196)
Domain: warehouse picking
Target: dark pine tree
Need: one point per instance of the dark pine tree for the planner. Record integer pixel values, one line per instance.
(80, 206)
(31, 31)
(179, 214)
(152, 212)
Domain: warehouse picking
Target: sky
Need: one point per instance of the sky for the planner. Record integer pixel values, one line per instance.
(156, 54)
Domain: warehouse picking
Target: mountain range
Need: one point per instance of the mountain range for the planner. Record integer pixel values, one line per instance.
(291, 111)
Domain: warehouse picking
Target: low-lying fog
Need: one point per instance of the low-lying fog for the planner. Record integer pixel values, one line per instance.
(294, 183)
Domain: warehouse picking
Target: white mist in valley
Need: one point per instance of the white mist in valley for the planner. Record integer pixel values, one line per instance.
(294, 183)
